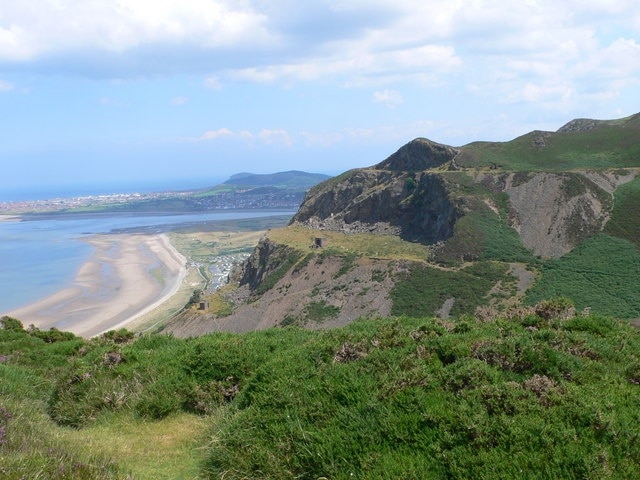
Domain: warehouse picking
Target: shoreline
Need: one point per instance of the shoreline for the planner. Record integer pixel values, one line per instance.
(127, 276)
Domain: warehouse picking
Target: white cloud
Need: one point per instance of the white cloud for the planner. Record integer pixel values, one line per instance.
(6, 86)
(178, 101)
(556, 95)
(213, 82)
(215, 134)
(359, 68)
(265, 136)
(388, 98)
(275, 137)
(512, 51)
(40, 27)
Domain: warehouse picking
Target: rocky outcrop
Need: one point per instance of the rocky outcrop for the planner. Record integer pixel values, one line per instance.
(418, 155)
(555, 212)
(266, 258)
(581, 125)
(390, 198)
(321, 284)
(416, 207)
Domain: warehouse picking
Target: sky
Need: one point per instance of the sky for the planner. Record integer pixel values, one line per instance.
(185, 93)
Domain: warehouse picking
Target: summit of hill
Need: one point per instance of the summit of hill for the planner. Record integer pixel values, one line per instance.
(441, 230)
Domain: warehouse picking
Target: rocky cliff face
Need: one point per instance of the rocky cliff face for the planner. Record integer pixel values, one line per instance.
(266, 258)
(418, 155)
(465, 214)
(552, 212)
(398, 196)
(555, 212)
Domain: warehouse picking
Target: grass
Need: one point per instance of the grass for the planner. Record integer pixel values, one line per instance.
(368, 245)
(625, 221)
(202, 246)
(610, 145)
(169, 448)
(524, 397)
(601, 273)
(319, 311)
(423, 290)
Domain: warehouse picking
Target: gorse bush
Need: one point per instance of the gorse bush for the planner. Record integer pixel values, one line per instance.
(423, 399)
(536, 392)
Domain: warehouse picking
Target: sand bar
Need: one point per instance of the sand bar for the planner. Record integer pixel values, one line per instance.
(127, 276)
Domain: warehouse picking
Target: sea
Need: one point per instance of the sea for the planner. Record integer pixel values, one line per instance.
(40, 256)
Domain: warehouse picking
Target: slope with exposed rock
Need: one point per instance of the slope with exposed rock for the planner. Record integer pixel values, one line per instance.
(479, 212)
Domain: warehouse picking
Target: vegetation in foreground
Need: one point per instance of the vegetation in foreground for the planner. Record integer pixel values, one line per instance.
(538, 393)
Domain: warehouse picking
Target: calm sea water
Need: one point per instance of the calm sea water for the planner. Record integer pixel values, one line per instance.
(40, 257)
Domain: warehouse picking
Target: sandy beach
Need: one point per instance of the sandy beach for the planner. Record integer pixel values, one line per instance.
(127, 276)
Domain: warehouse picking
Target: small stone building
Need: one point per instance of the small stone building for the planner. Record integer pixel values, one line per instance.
(319, 242)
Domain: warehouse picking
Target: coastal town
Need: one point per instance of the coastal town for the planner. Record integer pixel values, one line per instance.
(161, 201)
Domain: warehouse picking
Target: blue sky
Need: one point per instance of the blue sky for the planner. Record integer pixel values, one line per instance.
(150, 92)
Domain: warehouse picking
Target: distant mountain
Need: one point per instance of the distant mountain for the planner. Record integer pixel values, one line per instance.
(441, 230)
(291, 180)
(284, 190)
(251, 190)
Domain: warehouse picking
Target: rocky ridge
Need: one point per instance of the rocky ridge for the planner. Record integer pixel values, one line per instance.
(421, 194)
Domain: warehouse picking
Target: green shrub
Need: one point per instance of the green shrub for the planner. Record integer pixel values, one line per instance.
(160, 399)
(52, 335)
(119, 336)
(11, 324)
(401, 398)
(320, 311)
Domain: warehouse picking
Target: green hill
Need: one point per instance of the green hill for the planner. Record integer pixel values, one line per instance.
(504, 383)
(580, 144)
(293, 181)
(535, 393)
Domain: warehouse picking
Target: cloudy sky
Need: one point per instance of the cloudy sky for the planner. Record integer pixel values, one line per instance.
(188, 92)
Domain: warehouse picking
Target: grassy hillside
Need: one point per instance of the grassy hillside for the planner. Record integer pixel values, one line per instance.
(603, 273)
(423, 290)
(609, 144)
(531, 396)
(625, 220)
(293, 180)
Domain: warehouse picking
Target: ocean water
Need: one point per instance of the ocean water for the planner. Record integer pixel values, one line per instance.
(40, 257)
(18, 193)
